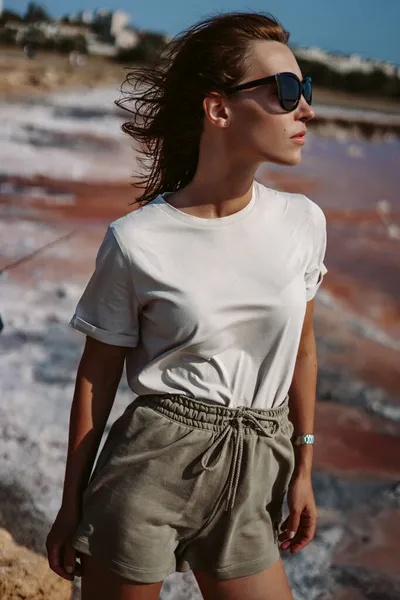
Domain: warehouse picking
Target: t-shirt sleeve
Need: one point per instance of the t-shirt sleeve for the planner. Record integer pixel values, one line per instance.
(316, 268)
(108, 308)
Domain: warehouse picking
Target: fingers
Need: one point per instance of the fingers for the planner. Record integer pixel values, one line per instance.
(69, 559)
(303, 532)
(54, 556)
(292, 524)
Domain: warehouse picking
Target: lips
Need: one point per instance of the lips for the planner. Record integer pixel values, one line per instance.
(300, 134)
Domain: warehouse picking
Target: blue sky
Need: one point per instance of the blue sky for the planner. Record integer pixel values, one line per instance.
(366, 27)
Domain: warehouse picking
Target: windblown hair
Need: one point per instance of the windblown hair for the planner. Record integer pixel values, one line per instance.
(168, 95)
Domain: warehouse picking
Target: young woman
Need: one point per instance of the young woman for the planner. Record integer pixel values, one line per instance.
(207, 293)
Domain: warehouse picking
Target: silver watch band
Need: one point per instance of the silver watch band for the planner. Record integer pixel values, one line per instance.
(305, 438)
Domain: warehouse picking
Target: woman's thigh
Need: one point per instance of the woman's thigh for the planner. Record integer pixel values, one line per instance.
(99, 583)
(269, 584)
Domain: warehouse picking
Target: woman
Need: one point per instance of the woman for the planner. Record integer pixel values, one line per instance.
(207, 292)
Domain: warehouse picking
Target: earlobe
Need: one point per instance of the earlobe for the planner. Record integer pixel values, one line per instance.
(215, 110)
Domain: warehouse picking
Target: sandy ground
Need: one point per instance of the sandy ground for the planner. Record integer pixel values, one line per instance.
(47, 71)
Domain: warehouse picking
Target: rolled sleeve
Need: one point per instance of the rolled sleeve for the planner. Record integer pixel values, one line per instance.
(108, 309)
(316, 268)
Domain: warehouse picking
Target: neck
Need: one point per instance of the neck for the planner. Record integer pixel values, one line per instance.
(222, 184)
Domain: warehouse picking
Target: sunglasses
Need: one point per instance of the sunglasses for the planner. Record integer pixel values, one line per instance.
(290, 89)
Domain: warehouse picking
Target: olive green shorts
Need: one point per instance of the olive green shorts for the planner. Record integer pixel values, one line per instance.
(182, 483)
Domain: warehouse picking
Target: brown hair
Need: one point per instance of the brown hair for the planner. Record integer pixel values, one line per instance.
(168, 96)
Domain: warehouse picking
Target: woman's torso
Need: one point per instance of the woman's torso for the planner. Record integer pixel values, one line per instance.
(222, 301)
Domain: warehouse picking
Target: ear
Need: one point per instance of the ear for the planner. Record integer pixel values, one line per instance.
(216, 109)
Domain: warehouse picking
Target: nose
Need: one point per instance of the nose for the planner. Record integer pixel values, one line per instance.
(305, 111)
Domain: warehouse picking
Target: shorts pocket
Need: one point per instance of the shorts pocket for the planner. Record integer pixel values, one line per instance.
(284, 453)
(277, 519)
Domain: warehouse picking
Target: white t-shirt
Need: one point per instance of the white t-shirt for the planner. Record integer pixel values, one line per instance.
(209, 308)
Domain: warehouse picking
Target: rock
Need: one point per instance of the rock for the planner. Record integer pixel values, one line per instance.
(26, 575)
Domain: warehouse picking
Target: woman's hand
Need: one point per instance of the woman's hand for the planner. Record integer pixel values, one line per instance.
(61, 554)
(299, 527)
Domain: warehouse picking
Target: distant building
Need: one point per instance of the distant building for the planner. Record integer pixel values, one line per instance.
(119, 20)
(112, 22)
(104, 31)
(84, 16)
(127, 38)
(115, 28)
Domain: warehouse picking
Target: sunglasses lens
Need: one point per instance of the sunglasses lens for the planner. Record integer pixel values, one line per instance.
(307, 91)
(290, 91)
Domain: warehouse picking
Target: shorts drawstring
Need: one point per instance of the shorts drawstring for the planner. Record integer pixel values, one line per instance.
(243, 414)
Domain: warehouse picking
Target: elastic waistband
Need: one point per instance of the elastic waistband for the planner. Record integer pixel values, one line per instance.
(203, 415)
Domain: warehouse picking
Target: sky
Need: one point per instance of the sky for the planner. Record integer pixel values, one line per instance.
(366, 27)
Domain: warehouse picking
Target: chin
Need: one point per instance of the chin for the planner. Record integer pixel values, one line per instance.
(286, 160)
(294, 160)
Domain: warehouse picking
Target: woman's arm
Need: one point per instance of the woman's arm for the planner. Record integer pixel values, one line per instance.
(302, 392)
(98, 377)
(298, 528)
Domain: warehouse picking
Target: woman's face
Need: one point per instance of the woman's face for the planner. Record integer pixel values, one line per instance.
(258, 125)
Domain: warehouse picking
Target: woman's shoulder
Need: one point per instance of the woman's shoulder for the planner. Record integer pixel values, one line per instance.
(141, 221)
(292, 203)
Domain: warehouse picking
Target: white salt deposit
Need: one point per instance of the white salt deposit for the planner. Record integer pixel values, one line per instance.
(66, 136)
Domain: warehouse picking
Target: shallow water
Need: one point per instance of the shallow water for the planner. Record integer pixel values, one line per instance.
(350, 174)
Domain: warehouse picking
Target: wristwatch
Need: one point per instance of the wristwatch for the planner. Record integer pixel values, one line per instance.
(306, 438)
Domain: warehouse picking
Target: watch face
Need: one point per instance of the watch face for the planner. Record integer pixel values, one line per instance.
(307, 438)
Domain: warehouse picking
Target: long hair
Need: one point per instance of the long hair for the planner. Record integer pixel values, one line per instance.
(168, 95)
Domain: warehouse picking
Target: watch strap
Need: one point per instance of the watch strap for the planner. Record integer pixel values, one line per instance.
(305, 438)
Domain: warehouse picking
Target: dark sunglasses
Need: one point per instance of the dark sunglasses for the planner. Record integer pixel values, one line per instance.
(290, 89)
